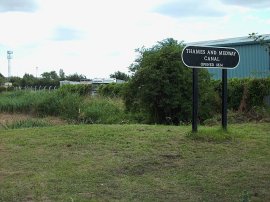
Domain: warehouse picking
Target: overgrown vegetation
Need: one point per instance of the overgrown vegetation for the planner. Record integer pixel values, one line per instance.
(69, 102)
(80, 89)
(103, 110)
(72, 102)
(112, 90)
(161, 87)
(41, 103)
(159, 91)
(245, 94)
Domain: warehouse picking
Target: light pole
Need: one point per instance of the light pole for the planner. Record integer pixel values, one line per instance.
(9, 57)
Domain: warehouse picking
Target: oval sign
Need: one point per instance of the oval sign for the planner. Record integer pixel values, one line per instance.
(210, 57)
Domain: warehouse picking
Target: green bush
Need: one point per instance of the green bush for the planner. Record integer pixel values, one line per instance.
(257, 90)
(112, 90)
(80, 89)
(5, 89)
(161, 87)
(244, 94)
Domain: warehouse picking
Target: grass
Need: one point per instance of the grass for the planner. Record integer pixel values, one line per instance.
(28, 123)
(96, 110)
(67, 105)
(135, 163)
(212, 135)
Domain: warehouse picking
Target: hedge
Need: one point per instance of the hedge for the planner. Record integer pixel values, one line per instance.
(243, 94)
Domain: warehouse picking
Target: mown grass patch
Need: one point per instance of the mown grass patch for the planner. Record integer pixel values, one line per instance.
(212, 134)
(133, 163)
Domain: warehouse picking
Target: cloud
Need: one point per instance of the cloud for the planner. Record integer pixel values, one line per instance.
(18, 5)
(66, 34)
(187, 8)
(249, 3)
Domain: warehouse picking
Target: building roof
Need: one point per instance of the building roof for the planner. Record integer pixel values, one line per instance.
(230, 41)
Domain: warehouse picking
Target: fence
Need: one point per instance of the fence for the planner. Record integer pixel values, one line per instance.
(35, 88)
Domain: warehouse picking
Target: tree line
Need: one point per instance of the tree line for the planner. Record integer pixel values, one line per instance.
(47, 79)
(52, 78)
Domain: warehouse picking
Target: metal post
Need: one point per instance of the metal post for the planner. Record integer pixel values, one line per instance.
(9, 68)
(195, 100)
(224, 99)
(9, 57)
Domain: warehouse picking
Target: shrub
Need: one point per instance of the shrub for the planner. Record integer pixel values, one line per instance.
(5, 89)
(257, 90)
(112, 90)
(80, 89)
(161, 87)
(244, 94)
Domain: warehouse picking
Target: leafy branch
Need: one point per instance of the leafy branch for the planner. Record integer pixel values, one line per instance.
(261, 40)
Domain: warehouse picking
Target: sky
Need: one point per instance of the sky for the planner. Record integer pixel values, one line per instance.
(98, 37)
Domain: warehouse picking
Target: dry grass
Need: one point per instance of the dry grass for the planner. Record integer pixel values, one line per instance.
(7, 119)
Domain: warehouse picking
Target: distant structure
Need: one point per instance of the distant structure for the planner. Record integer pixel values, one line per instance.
(96, 82)
(9, 57)
(254, 58)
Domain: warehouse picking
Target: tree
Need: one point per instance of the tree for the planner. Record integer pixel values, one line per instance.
(2, 79)
(50, 76)
(16, 81)
(28, 80)
(49, 79)
(75, 77)
(161, 88)
(62, 74)
(120, 75)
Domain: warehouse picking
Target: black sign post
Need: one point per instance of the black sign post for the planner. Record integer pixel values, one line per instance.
(224, 99)
(210, 57)
(195, 102)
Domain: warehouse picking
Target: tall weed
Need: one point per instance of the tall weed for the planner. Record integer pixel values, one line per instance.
(41, 103)
(103, 110)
